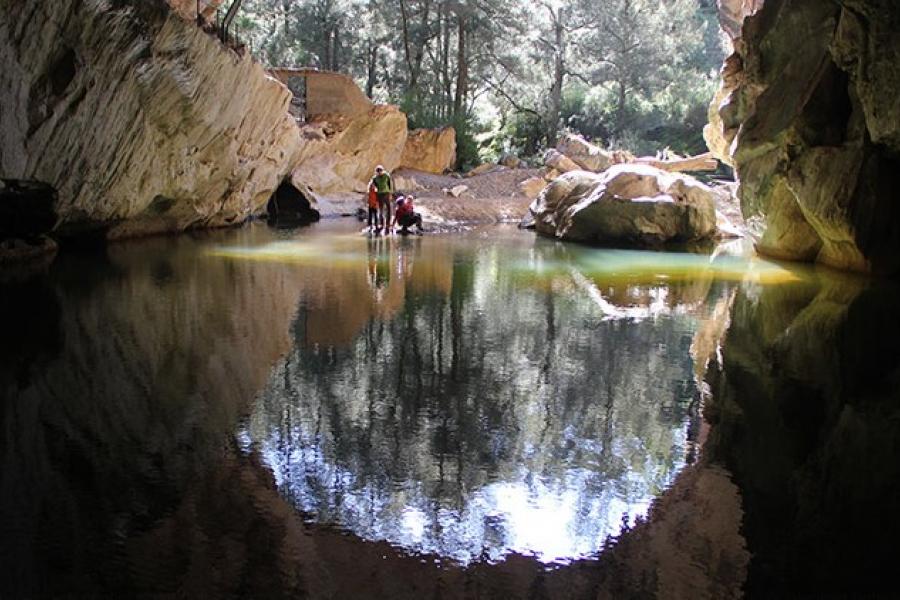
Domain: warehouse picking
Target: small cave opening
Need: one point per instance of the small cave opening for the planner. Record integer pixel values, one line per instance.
(62, 72)
(290, 206)
(27, 209)
(825, 120)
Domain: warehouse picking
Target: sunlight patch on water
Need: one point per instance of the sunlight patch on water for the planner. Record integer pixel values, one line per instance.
(638, 266)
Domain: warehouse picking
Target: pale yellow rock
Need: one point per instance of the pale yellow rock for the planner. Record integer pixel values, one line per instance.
(430, 150)
(533, 186)
(407, 184)
(341, 155)
(484, 168)
(328, 96)
(187, 9)
(457, 191)
(560, 162)
(584, 154)
(626, 204)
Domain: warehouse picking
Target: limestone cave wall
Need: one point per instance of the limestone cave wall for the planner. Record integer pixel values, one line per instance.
(137, 119)
(125, 118)
(808, 115)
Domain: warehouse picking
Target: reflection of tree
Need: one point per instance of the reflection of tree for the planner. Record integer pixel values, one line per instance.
(458, 392)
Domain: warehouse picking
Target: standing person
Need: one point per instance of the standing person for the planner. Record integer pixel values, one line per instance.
(384, 189)
(406, 217)
(372, 204)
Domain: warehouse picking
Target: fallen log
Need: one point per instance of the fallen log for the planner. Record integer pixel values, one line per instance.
(701, 162)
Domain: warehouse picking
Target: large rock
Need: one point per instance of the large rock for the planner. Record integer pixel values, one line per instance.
(430, 150)
(136, 119)
(340, 154)
(558, 161)
(188, 9)
(533, 186)
(585, 154)
(627, 204)
(810, 119)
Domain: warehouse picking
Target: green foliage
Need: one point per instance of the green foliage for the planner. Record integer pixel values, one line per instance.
(509, 75)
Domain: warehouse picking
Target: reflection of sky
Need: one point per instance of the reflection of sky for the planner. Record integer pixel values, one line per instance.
(325, 421)
(554, 521)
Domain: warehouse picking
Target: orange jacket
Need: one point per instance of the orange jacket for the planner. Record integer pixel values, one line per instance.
(373, 197)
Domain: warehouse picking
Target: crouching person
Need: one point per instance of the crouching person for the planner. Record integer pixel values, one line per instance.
(405, 216)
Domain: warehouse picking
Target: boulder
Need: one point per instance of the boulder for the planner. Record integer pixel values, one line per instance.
(339, 155)
(631, 205)
(560, 162)
(812, 125)
(456, 191)
(403, 183)
(586, 155)
(484, 168)
(533, 186)
(430, 150)
(510, 160)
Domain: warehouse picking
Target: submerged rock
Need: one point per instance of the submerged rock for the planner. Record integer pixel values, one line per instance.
(634, 205)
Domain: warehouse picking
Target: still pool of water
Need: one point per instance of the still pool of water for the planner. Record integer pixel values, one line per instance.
(473, 396)
(258, 413)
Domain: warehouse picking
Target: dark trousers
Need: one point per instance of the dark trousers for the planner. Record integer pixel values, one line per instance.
(384, 207)
(373, 216)
(410, 220)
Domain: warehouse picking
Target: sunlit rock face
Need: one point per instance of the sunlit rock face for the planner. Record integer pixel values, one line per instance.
(339, 153)
(137, 119)
(430, 150)
(809, 116)
(804, 413)
(635, 205)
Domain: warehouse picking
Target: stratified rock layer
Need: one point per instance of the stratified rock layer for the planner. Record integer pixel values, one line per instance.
(626, 204)
(810, 119)
(137, 119)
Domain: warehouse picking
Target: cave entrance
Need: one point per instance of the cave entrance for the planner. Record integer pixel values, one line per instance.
(290, 206)
(27, 209)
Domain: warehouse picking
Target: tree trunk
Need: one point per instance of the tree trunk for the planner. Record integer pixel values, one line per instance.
(620, 107)
(445, 62)
(701, 162)
(462, 66)
(371, 68)
(559, 74)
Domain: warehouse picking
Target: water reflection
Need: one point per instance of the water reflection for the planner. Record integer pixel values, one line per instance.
(471, 395)
(471, 399)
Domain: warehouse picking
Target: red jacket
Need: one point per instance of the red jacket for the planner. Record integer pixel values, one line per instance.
(405, 209)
